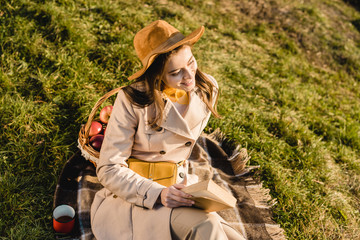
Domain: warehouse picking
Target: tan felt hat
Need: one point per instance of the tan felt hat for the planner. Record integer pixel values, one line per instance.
(157, 38)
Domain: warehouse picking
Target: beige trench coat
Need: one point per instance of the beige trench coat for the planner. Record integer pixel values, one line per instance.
(126, 207)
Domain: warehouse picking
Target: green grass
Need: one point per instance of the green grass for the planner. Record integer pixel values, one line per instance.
(290, 92)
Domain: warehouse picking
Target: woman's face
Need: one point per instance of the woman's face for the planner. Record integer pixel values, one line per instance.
(180, 69)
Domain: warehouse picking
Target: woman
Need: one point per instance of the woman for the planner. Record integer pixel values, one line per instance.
(156, 119)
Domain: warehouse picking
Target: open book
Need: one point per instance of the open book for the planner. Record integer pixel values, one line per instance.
(210, 196)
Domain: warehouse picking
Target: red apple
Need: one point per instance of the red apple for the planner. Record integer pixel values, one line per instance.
(95, 128)
(105, 113)
(96, 141)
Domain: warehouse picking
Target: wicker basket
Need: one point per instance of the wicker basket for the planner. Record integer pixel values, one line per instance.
(87, 151)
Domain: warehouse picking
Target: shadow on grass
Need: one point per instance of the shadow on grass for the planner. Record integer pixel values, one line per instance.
(356, 24)
(51, 30)
(354, 3)
(68, 121)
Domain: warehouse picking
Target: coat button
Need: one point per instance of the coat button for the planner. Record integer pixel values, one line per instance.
(114, 196)
(188, 144)
(182, 175)
(159, 129)
(162, 152)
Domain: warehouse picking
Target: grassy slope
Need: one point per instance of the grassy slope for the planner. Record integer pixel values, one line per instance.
(289, 74)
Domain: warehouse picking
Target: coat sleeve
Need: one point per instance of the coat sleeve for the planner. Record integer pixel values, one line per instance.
(112, 170)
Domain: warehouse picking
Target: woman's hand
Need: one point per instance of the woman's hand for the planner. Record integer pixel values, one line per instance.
(172, 197)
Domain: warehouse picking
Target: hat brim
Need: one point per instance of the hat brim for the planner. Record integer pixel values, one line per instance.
(191, 39)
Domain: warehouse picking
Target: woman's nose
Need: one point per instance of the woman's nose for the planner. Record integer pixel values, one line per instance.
(187, 73)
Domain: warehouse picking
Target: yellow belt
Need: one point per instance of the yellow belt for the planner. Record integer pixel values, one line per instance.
(164, 173)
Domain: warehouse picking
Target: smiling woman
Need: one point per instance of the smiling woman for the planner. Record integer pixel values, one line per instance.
(180, 70)
(157, 119)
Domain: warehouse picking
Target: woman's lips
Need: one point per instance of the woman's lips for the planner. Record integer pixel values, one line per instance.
(188, 83)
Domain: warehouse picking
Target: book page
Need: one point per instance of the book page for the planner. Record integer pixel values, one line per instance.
(208, 195)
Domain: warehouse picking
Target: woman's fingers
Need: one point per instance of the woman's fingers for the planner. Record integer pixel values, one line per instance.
(173, 204)
(181, 199)
(180, 196)
(173, 197)
(175, 190)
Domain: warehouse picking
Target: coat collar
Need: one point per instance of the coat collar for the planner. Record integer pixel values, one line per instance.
(195, 114)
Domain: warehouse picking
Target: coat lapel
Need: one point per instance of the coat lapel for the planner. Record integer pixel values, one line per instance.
(174, 122)
(196, 112)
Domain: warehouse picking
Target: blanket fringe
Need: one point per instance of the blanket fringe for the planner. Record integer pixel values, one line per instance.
(261, 196)
(229, 146)
(217, 135)
(275, 232)
(262, 199)
(237, 156)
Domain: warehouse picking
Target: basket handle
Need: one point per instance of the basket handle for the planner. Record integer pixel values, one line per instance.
(95, 108)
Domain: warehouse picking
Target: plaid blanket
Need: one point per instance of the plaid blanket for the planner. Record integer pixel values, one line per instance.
(210, 158)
